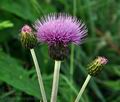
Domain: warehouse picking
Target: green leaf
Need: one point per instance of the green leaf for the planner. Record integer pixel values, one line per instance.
(26, 9)
(113, 85)
(13, 74)
(6, 24)
(21, 8)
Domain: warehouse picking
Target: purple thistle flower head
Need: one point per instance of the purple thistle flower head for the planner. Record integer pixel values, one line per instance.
(59, 30)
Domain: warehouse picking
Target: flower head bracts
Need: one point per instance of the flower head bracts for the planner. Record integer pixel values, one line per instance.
(97, 65)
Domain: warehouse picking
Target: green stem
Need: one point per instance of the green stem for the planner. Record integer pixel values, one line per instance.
(72, 51)
(72, 46)
(92, 25)
(55, 81)
(90, 17)
(83, 88)
(74, 7)
(39, 75)
(71, 62)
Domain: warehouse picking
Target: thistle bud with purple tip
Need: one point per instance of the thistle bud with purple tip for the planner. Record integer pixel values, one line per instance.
(28, 38)
(58, 31)
(97, 65)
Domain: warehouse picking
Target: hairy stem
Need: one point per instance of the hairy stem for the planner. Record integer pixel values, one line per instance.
(55, 81)
(39, 75)
(83, 88)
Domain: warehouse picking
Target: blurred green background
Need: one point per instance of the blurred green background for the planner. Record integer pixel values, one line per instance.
(18, 80)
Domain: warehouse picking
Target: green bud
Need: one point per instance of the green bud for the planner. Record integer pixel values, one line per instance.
(28, 39)
(96, 66)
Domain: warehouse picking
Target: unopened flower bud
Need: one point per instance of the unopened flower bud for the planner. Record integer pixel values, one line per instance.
(97, 65)
(28, 39)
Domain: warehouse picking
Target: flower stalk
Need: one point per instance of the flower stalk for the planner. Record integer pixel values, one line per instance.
(83, 88)
(94, 68)
(55, 81)
(29, 41)
(39, 75)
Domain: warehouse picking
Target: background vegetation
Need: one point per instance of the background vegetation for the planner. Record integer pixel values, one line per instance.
(18, 81)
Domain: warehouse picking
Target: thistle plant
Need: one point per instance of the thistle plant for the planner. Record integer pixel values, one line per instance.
(58, 31)
(29, 41)
(94, 69)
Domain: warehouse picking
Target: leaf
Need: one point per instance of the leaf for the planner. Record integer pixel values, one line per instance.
(26, 9)
(96, 89)
(113, 85)
(13, 74)
(42, 8)
(21, 8)
(6, 24)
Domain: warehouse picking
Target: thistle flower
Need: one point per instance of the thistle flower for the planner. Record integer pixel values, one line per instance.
(58, 31)
(97, 65)
(28, 39)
